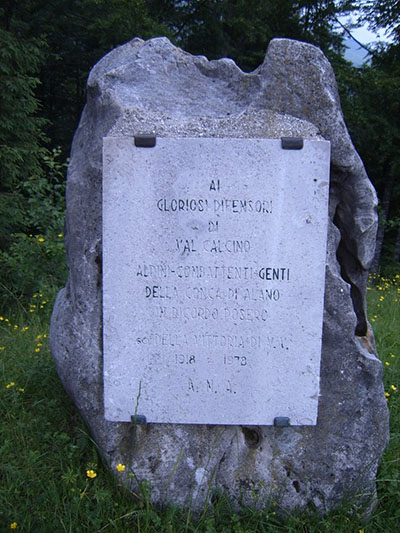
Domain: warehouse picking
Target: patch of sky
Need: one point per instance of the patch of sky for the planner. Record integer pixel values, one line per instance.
(358, 40)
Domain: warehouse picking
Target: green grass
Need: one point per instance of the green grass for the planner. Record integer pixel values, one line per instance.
(46, 451)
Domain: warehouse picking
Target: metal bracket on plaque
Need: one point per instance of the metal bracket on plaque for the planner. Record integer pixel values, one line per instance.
(292, 143)
(138, 419)
(145, 141)
(281, 421)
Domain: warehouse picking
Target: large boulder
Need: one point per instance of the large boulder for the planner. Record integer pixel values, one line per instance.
(153, 87)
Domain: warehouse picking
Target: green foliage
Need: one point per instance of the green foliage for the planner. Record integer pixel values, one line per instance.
(44, 193)
(35, 260)
(371, 105)
(242, 29)
(384, 311)
(47, 452)
(76, 34)
(383, 14)
(20, 128)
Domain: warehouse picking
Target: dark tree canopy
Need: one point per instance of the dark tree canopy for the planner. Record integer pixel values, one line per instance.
(383, 14)
(21, 133)
(76, 34)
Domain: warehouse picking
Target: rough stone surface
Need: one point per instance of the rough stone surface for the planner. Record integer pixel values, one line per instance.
(153, 87)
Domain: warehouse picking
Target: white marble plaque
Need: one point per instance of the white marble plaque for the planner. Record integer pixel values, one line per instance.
(213, 279)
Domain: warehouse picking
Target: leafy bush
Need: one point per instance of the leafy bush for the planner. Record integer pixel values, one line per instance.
(35, 258)
(21, 135)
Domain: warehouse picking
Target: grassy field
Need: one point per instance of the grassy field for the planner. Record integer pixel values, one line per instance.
(51, 477)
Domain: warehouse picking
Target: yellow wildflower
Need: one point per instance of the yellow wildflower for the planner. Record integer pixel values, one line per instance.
(2, 348)
(387, 363)
(13, 525)
(91, 473)
(393, 387)
(21, 389)
(387, 394)
(60, 235)
(120, 467)
(11, 384)
(40, 239)
(37, 350)
(392, 355)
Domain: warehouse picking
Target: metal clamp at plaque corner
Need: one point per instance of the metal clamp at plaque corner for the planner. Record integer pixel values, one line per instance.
(282, 422)
(145, 141)
(292, 143)
(140, 420)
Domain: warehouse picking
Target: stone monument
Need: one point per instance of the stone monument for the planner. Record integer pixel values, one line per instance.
(213, 329)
